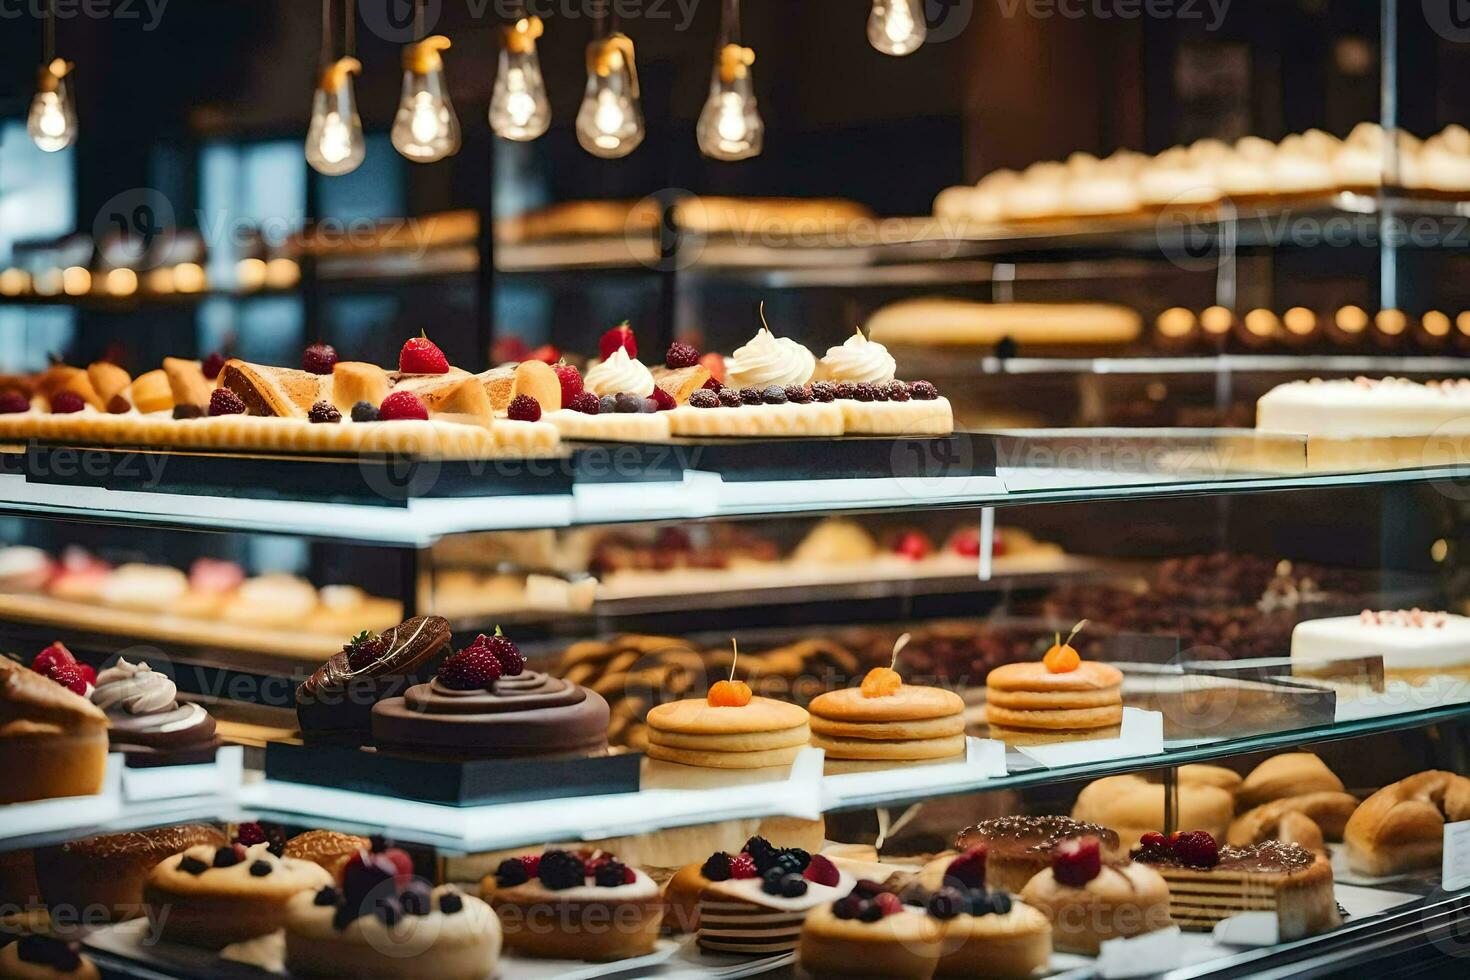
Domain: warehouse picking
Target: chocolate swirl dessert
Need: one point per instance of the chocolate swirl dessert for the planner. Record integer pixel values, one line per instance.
(1019, 846)
(338, 699)
(148, 722)
(484, 704)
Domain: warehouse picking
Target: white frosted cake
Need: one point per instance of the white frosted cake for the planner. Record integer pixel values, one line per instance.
(1364, 407)
(1415, 645)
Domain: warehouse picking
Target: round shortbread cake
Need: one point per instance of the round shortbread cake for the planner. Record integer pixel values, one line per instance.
(724, 760)
(1062, 718)
(909, 703)
(1048, 700)
(1034, 676)
(761, 733)
(1015, 944)
(1049, 736)
(898, 730)
(903, 945)
(734, 742)
(695, 716)
(213, 896)
(915, 750)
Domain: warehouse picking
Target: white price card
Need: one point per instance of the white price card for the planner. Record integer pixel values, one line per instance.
(1137, 956)
(1455, 876)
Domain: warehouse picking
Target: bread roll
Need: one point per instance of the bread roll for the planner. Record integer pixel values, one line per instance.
(1401, 827)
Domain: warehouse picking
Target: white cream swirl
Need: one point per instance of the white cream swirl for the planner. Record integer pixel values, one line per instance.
(859, 360)
(136, 689)
(769, 360)
(619, 373)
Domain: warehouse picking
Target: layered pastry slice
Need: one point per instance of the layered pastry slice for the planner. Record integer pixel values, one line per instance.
(1208, 883)
(484, 703)
(274, 391)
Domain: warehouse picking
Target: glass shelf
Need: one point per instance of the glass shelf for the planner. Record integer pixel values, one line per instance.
(514, 825)
(1032, 466)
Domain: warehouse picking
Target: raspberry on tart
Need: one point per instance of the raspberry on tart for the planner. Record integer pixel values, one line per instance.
(473, 668)
(663, 399)
(585, 402)
(55, 655)
(223, 401)
(402, 405)
(523, 408)
(67, 403)
(1076, 862)
(319, 359)
(680, 355)
(212, 365)
(13, 403)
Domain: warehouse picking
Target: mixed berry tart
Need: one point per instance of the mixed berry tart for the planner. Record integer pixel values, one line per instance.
(564, 904)
(382, 921)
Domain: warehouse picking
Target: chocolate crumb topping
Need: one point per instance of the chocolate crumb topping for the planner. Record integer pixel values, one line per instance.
(1032, 834)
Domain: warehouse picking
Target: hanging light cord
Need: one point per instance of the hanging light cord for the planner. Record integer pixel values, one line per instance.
(418, 20)
(349, 29)
(48, 33)
(730, 22)
(326, 58)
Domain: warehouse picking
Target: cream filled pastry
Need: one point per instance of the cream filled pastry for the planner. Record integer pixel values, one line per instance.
(619, 372)
(858, 360)
(483, 703)
(148, 722)
(768, 360)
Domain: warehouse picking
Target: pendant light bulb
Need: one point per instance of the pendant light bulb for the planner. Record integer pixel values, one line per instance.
(334, 143)
(897, 27)
(730, 127)
(519, 108)
(52, 122)
(610, 120)
(425, 128)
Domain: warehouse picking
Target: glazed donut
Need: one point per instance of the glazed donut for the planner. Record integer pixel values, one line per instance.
(1327, 810)
(1288, 774)
(1401, 827)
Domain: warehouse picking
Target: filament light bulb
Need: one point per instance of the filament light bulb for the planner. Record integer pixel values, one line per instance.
(897, 27)
(52, 122)
(610, 120)
(334, 143)
(519, 109)
(425, 128)
(730, 127)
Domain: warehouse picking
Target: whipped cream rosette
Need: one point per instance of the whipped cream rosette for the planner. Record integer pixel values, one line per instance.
(148, 722)
(858, 360)
(619, 372)
(767, 360)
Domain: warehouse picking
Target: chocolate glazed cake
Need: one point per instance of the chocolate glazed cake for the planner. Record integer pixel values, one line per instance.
(338, 699)
(528, 714)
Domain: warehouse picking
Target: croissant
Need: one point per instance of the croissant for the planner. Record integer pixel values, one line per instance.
(1308, 820)
(1401, 827)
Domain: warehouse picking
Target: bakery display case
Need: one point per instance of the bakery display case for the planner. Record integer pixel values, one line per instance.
(965, 493)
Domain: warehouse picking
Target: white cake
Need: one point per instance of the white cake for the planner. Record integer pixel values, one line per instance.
(1366, 408)
(1415, 645)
